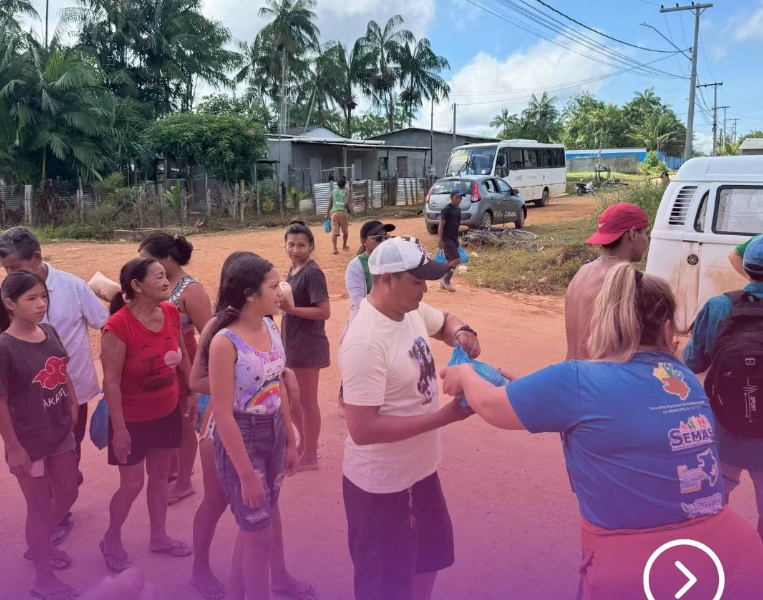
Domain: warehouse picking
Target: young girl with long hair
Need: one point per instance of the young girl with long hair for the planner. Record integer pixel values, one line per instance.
(38, 412)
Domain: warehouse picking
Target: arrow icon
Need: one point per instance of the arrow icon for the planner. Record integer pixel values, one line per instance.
(689, 584)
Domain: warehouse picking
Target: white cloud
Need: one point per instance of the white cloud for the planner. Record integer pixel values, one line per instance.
(747, 27)
(489, 83)
(703, 142)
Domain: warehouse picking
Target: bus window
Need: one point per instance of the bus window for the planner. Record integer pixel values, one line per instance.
(516, 159)
(503, 162)
(531, 158)
(544, 157)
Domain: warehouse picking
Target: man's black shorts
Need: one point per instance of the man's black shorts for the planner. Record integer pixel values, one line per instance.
(451, 250)
(394, 537)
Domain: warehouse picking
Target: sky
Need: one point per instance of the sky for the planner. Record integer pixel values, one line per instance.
(497, 61)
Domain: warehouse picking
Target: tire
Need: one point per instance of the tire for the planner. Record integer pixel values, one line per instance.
(487, 220)
(432, 229)
(520, 222)
(580, 191)
(543, 200)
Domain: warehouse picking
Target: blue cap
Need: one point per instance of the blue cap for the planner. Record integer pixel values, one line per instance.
(753, 258)
(457, 192)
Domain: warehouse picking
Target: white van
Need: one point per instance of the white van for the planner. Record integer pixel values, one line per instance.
(710, 207)
(537, 170)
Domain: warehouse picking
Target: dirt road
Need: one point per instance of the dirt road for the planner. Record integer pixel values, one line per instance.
(516, 522)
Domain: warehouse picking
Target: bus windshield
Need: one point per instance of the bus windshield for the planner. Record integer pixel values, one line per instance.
(471, 161)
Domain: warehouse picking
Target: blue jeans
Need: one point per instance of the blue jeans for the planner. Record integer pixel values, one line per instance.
(265, 440)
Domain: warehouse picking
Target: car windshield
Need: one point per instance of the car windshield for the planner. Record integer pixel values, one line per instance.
(472, 161)
(446, 186)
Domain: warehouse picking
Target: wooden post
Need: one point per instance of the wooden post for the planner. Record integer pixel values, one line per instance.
(242, 186)
(369, 191)
(81, 205)
(183, 205)
(207, 196)
(259, 204)
(28, 204)
(141, 206)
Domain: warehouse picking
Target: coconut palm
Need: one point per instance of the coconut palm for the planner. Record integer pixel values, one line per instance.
(385, 46)
(420, 76)
(541, 118)
(509, 126)
(656, 131)
(289, 34)
(354, 71)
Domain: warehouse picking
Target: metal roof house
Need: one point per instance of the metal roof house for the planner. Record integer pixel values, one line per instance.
(751, 146)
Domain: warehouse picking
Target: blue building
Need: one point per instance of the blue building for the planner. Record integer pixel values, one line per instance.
(622, 160)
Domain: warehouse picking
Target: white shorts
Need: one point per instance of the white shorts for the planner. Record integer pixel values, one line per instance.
(38, 466)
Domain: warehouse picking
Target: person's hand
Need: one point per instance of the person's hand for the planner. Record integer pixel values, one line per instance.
(284, 305)
(121, 443)
(191, 410)
(130, 585)
(19, 462)
(451, 379)
(291, 457)
(252, 490)
(469, 343)
(506, 375)
(454, 412)
(441, 245)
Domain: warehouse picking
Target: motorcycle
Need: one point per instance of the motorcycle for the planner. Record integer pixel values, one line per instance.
(585, 188)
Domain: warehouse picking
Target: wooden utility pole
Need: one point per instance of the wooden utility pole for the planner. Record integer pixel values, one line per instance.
(715, 87)
(724, 139)
(698, 9)
(735, 129)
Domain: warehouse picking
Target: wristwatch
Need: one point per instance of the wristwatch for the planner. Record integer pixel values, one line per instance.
(465, 328)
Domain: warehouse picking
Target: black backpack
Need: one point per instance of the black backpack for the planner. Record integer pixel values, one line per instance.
(736, 373)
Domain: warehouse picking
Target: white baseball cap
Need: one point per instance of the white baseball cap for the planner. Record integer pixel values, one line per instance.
(405, 254)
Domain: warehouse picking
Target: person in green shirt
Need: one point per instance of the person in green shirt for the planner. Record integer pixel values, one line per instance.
(736, 256)
(339, 212)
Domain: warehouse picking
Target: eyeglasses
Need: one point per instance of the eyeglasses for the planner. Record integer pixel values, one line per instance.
(380, 237)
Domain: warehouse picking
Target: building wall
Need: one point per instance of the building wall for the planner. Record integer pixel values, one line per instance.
(619, 164)
(752, 152)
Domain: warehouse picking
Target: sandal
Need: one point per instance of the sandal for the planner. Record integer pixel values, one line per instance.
(172, 500)
(61, 532)
(114, 563)
(178, 549)
(305, 592)
(60, 562)
(69, 594)
(215, 593)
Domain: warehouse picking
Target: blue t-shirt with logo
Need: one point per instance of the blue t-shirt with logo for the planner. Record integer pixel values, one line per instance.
(639, 438)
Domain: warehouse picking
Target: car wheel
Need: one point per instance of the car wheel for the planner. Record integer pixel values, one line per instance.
(432, 229)
(487, 221)
(520, 222)
(543, 200)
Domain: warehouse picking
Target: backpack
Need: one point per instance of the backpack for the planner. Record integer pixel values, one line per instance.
(736, 372)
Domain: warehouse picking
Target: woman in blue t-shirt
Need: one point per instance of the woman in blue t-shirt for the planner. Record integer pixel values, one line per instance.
(639, 442)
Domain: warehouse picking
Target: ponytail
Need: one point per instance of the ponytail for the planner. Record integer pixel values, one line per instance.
(630, 311)
(136, 269)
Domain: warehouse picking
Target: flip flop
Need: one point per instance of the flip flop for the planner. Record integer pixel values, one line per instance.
(110, 558)
(59, 595)
(175, 499)
(299, 469)
(59, 563)
(305, 592)
(179, 550)
(62, 532)
(215, 593)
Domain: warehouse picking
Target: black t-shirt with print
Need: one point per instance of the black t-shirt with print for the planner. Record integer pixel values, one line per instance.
(452, 217)
(34, 377)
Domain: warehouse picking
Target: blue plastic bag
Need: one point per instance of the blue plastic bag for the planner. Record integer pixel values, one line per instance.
(464, 256)
(99, 425)
(327, 226)
(488, 372)
(204, 401)
(440, 257)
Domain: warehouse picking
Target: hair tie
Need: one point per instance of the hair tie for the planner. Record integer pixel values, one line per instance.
(639, 277)
(176, 238)
(232, 310)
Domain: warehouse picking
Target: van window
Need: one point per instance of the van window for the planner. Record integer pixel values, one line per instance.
(531, 158)
(739, 210)
(699, 221)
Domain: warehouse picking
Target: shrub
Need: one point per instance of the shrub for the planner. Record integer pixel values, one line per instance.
(645, 195)
(652, 164)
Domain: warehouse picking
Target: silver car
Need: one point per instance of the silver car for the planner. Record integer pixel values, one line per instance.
(487, 200)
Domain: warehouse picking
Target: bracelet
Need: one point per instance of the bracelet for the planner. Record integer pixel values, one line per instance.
(465, 328)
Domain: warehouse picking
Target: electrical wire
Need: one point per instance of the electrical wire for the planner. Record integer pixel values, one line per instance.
(596, 31)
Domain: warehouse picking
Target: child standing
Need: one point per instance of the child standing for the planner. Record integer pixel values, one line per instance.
(304, 336)
(38, 411)
(254, 438)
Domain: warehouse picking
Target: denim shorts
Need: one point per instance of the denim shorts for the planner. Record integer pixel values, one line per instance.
(265, 440)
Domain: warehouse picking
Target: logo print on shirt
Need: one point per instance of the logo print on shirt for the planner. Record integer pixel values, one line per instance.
(53, 375)
(672, 380)
(691, 480)
(695, 432)
(423, 359)
(704, 506)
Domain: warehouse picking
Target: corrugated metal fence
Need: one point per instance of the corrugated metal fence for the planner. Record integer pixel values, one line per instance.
(366, 194)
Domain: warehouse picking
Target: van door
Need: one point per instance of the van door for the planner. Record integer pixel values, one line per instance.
(692, 215)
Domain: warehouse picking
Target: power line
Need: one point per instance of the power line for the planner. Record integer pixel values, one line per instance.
(596, 31)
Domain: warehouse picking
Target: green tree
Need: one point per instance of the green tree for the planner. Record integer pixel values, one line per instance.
(420, 78)
(369, 125)
(541, 119)
(242, 106)
(509, 126)
(354, 71)
(385, 46)
(226, 145)
(288, 36)
(11, 12)
(656, 132)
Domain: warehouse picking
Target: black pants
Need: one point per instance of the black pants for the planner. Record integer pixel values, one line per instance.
(79, 431)
(394, 537)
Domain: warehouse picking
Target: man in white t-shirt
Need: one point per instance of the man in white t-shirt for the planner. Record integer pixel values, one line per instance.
(400, 533)
(73, 309)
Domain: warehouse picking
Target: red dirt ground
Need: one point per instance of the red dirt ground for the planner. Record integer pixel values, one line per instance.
(516, 522)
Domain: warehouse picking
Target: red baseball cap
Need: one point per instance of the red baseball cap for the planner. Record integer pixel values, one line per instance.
(617, 220)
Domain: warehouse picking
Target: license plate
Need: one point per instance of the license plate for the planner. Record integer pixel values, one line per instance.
(433, 216)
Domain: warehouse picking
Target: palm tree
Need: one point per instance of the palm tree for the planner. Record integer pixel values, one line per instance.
(385, 46)
(509, 126)
(289, 34)
(541, 118)
(420, 77)
(655, 132)
(323, 85)
(354, 70)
